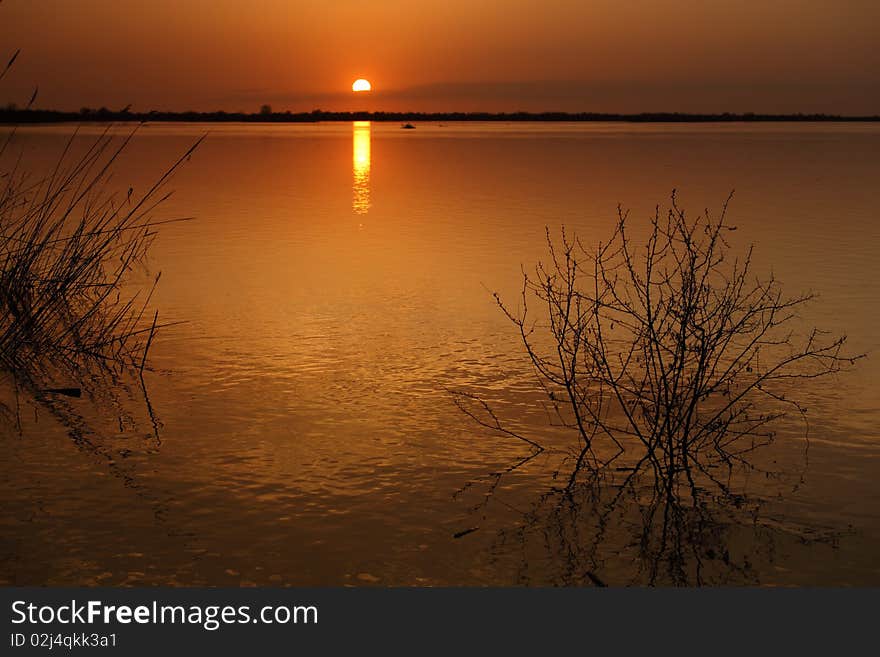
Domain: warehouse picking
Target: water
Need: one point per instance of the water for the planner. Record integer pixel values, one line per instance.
(336, 283)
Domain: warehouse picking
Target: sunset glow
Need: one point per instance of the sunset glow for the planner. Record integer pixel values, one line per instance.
(446, 56)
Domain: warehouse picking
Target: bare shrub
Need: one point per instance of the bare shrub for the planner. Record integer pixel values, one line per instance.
(671, 363)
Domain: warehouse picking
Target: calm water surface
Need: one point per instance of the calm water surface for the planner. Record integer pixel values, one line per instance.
(337, 281)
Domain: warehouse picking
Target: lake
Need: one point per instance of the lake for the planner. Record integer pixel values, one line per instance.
(335, 283)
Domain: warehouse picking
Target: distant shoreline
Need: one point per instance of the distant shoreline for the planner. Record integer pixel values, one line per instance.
(34, 116)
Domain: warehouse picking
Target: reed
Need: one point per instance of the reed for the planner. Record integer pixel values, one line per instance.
(68, 243)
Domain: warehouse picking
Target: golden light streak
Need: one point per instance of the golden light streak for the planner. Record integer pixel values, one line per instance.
(360, 167)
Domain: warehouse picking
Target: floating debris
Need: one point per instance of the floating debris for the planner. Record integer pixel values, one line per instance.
(69, 392)
(465, 532)
(595, 579)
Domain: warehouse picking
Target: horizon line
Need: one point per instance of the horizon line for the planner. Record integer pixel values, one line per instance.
(13, 114)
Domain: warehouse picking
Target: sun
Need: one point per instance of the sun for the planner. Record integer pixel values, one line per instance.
(361, 85)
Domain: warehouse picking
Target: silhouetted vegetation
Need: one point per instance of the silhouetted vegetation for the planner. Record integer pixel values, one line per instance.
(266, 115)
(670, 364)
(67, 246)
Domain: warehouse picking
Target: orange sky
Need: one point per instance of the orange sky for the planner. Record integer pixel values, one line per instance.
(494, 55)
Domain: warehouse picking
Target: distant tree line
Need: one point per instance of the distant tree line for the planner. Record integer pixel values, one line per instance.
(14, 114)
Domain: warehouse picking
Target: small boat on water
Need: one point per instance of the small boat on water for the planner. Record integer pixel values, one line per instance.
(408, 126)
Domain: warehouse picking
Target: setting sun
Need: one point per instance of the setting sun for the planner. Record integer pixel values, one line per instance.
(361, 85)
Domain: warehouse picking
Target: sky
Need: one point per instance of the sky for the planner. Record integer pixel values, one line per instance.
(451, 55)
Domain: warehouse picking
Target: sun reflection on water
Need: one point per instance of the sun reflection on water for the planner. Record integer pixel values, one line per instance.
(360, 167)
